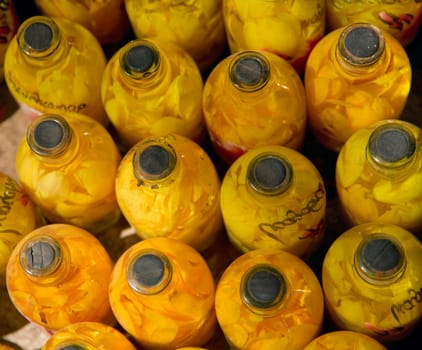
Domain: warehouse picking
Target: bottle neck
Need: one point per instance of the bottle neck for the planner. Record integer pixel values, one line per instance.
(155, 163)
(361, 49)
(44, 260)
(141, 64)
(51, 138)
(40, 41)
(264, 290)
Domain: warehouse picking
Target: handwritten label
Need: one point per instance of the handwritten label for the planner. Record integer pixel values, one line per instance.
(292, 217)
(399, 309)
(35, 98)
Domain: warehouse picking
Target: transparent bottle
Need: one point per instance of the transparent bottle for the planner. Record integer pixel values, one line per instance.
(196, 26)
(18, 217)
(9, 24)
(88, 336)
(67, 167)
(151, 88)
(162, 293)
(289, 29)
(344, 340)
(371, 278)
(402, 19)
(106, 19)
(269, 299)
(253, 98)
(167, 186)
(58, 275)
(354, 77)
(274, 197)
(378, 174)
(65, 63)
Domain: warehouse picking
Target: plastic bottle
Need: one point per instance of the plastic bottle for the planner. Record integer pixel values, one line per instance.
(274, 197)
(167, 186)
(269, 299)
(162, 293)
(8, 26)
(58, 275)
(106, 19)
(378, 174)
(371, 278)
(196, 26)
(88, 336)
(150, 88)
(65, 64)
(253, 98)
(344, 340)
(354, 77)
(68, 167)
(18, 217)
(402, 19)
(289, 29)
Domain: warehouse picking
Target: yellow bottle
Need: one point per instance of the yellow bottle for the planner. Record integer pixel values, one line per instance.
(269, 299)
(289, 29)
(68, 167)
(55, 66)
(162, 293)
(88, 336)
(354, 77)
(58, 275)
(196, 26)
(344, 340)
(274, 197)
(8, 26)
(106, 19)
(402, 19)
(253, 98)
(150, 88)
(18, 217)
(371, 278)
(167, 186)
(378, 175)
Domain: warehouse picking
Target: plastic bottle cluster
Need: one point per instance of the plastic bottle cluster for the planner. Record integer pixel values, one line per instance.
(255, 149)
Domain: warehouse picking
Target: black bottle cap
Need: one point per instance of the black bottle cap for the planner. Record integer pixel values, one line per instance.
(149, 272)
(49, 133)
(269, 174)
(71, 347)
(263, 287)
(361, 44)
(391, 144)
(140, 58)
(249, 71)
(41, 256)
(38, 36)
(380, 258)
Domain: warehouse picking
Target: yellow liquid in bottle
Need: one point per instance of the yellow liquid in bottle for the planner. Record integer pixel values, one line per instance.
(176, 191)
(375, 290)
(252, 99)
(343, 97)
(150, 88)
(88, 336)
(344, 340)
(382, 184)
(106, 19)
(58, 275)
(196, 26)
(75, 186)
(65, 64)
(289, 215)
(169, 306)
(18, 217)
(290, 319)
(289, 29)
(402, 19)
